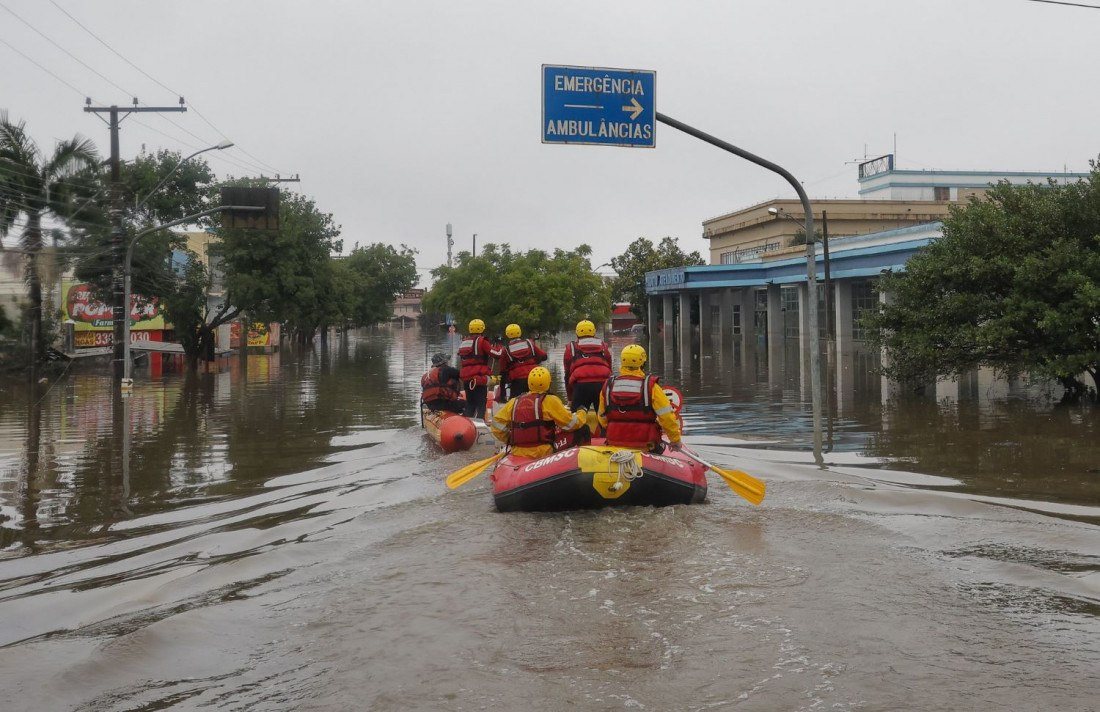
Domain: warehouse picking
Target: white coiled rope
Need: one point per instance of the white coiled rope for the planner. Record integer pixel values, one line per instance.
(628, 468)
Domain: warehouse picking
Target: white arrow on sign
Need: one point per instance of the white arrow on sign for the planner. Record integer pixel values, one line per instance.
(634, 108)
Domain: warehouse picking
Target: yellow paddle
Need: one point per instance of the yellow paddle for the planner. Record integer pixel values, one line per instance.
(462, 476)
(740, 482)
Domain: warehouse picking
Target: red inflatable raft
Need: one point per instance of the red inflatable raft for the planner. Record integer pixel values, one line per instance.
(452, 431)
(597, 475)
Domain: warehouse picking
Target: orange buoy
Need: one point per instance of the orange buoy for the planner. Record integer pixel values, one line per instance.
(457, 433)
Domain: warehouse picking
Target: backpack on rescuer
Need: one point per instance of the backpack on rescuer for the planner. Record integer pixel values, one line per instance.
(631, 420)
(521, 358)
(433, 387)
(590, 361)
(473, 354)
(529, 428)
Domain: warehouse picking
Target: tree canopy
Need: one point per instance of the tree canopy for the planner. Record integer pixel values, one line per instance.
(368, 281)
(641, 257)
(540, 291)
(1014, 283)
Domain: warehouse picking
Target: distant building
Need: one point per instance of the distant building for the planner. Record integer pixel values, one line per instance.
(622, 318)
(407, 306)
(889, 199)
(756, 285)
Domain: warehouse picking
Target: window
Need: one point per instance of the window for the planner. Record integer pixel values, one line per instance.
(737, 318)
(943, 193)
(789, 300)
(864, 300)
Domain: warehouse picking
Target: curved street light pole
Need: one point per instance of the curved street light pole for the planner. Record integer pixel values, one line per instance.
(811, 262)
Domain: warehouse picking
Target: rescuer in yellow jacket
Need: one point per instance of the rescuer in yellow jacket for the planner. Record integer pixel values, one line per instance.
(634, 408)
(527, 421)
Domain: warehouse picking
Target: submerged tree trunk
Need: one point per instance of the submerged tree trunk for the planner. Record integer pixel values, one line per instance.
(33, 244)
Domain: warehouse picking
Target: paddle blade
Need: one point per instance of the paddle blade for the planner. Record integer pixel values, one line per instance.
(460, 477)
(743, 484)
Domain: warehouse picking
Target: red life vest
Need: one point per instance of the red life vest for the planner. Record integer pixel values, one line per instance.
(473, 354)
(529, 428)
(433, 388)
(589, 361)
(522, 358)
(631, 420)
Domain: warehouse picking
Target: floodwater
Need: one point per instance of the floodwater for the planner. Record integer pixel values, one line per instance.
(278, 536)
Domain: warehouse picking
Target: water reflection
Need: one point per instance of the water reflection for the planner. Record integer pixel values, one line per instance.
(74, 459)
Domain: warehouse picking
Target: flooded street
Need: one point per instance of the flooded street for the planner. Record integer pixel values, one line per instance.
(278, 536)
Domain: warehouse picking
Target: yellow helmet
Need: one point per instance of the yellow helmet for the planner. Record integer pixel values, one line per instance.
(538, 381)
(477, 326)
(632, 356)
(586, 328)
(512, 331)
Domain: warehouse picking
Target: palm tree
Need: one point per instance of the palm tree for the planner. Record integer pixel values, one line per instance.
(36, 187)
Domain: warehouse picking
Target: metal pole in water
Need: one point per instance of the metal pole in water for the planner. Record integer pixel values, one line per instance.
(811, 261)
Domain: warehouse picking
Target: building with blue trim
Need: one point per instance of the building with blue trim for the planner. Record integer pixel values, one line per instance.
(756, 285)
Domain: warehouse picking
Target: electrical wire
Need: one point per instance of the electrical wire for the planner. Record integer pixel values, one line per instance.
(47, 71)
(161, 84)
(87, 66)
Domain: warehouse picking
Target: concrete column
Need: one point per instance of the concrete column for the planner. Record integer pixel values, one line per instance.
(804, 318)
(684, 330)
(706, 341)
(775, 315)
(888, 388)
(725, 319)
(666, 318)
(651, 318)
(747, 299)
(843, 301)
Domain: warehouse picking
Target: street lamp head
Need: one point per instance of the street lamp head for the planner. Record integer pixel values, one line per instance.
(224, 145)
(773, 211)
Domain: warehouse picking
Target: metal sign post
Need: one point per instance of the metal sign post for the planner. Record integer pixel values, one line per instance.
(617, 107)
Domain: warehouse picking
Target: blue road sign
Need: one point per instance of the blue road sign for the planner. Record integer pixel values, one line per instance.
(596, 105)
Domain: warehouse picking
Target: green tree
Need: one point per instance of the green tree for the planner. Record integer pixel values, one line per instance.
(286, 276)
(539, 291)
(38, 186)
(371, 279)
(1014, 283)
(189, 189)
(641, 257)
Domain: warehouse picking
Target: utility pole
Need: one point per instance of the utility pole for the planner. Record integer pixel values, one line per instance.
(830, 316)
(475, 244)
(450, 244)
(120, 311)
(279, 179)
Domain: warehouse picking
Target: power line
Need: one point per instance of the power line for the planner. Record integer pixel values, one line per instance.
(1071, 4)
(161, 84)
(47, 71)
(73, 56)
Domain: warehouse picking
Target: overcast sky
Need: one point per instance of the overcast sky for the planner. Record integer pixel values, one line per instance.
(404, 116)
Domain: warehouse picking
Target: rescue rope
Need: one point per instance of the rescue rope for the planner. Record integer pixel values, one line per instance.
(628, 468)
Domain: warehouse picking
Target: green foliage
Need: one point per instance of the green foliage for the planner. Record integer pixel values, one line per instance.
(537, 290)
(369, 280)
(189, 190)
(641, 257)
(1013, 284)
(36, 186)
(186, 306)
(284, 276)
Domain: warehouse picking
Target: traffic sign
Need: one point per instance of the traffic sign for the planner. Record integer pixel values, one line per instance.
(598, 105)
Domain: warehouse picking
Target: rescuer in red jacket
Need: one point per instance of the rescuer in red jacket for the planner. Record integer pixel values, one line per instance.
(518, 358)
(439, 386)
(587, 364)
(474, 352)
(527, 422)
(634, 408)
